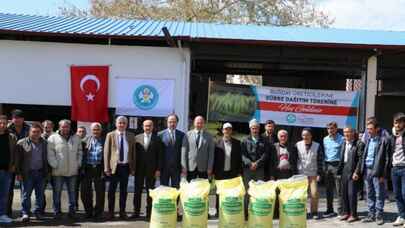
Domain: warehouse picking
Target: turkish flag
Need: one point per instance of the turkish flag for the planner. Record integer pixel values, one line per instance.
(89, 92)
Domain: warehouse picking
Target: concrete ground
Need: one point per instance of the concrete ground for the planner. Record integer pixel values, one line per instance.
(48, 221)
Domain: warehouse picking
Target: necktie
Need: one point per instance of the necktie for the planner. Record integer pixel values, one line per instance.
(171, 138)
(198, 139)
(121, 147)
(147, 142)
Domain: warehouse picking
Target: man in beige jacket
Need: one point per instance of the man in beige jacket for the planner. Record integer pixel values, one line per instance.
(65, 158)
(119, 163)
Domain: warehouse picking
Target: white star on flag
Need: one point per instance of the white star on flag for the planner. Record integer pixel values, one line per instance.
(90, 97)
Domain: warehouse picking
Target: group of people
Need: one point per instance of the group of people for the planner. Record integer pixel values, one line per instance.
(35, 155)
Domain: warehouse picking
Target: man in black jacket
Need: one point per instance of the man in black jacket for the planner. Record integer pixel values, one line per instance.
(228, 157)
(285, 158)
(373, 166)
(149, 156)
(397, 162)
(350, 154)
(270, 138)
(254, 157)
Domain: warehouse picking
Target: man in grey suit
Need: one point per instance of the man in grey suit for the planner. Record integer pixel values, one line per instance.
(197, 153)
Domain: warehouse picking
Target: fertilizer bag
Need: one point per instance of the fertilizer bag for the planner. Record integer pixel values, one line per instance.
(293, 202)
(231, 196)
(164, 207)
(261, 204)
(194, 200)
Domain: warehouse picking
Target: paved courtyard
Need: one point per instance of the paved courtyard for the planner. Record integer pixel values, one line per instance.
(81, 222)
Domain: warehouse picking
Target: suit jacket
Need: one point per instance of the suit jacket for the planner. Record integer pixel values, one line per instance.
(24, 155)
(254, 152)
(171, 153)
(381, 158)
(236, 158)
(272, 140)
(205, 151)
(149, 160)
(352, 165)
(292, 159)
(111, 156)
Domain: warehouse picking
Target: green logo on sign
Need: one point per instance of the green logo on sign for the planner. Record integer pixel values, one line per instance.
(291, 118)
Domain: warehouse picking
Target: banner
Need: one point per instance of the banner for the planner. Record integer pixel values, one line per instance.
(286, 106)
(89, 93)
(144, 97)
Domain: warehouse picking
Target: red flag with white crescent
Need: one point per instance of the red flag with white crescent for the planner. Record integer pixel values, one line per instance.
(89, 93)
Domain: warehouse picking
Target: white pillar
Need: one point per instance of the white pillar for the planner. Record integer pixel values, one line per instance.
(371, 86)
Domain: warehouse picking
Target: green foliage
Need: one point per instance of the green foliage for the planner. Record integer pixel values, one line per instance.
(233, 104)
(275, 12)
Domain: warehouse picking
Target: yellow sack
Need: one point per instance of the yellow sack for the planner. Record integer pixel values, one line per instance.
(194, 199)
(231, 200)
(164, 207)
(261, 204)
(293, 202)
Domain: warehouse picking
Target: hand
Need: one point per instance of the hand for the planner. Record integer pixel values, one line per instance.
(184, 172)
(253, 166)
(355, 177)
(381, 179)
(19, 177)
(318, 178)
(132, 173)
(209, 172)
(108, 173)
(157, 173)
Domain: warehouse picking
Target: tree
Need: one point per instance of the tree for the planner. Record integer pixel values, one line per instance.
(274, 12)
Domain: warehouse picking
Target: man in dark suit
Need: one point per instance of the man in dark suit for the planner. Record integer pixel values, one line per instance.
(270, 138)
(172, 141)
(228, 157)
(148, 165)
(350, 154)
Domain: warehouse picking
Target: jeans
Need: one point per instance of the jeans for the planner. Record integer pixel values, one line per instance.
(375, 194)
(57, 192)
(398, 184)
(332, 182)
(5, 179)
(35, 181)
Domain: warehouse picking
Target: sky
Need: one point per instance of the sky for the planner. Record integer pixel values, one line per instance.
(357, 14)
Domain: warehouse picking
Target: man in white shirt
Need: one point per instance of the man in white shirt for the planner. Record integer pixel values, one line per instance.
(148, 165)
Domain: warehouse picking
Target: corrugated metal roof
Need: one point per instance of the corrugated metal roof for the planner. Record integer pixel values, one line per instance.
(196, 31)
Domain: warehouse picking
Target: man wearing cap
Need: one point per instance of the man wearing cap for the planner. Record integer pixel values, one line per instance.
(197, 152)
(254, 156)
(228, 157)
(20, 129)
(397, 162)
